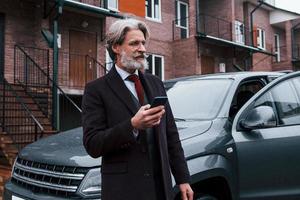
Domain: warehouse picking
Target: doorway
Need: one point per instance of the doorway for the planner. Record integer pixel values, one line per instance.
(207, 64)
(83, 51)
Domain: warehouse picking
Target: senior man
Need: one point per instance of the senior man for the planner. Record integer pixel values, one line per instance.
(139, 145)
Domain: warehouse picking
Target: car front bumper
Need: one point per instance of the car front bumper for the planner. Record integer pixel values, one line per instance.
(15, 192)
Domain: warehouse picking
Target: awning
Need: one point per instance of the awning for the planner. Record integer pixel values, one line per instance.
(91, 8)
(231, 43)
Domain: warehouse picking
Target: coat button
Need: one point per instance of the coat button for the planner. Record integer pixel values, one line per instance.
(146, 174)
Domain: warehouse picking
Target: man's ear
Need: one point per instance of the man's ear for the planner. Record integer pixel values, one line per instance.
(116, 49)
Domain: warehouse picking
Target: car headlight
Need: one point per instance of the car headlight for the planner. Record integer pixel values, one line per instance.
(13, 168)
(91, 184)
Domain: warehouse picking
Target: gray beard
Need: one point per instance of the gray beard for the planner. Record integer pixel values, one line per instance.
(129, 63)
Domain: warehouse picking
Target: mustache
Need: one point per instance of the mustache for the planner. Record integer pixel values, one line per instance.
(141, 55)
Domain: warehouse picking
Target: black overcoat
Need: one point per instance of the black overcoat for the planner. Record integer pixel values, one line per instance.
(126, 173)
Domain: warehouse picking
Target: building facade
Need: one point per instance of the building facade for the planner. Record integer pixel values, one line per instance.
(49, 50)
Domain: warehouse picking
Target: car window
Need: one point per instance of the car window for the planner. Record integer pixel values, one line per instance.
(199, 99)
(245, 91)
(287, 102)
(284, 98)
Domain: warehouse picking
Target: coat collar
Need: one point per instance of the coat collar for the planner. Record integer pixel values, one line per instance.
(116, 83)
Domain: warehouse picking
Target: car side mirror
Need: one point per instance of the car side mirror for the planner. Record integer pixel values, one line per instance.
(259, 117)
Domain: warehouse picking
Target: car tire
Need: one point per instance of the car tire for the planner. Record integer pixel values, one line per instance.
(201, 196)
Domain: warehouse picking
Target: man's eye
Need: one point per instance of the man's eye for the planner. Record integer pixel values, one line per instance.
(137, 43)
(134, 43)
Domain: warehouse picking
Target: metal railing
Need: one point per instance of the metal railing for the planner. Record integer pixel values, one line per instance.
(296, 52)
(39, 85)
(236, 32)
(34, 79)
(16, 118)
(217, 27)
(76, 70)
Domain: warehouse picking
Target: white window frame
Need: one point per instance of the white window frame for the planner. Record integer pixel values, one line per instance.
(239, 33)
(108, 60)
(113, 8)
(162, 65)
(261, 38)
(179, 17)
(277, 44)
(156, 19)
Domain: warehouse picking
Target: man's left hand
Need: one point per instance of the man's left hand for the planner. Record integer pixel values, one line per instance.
(186, 191)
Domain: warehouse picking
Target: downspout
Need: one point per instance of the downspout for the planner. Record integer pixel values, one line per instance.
(55, 102)
(251, 20)
(251, 30)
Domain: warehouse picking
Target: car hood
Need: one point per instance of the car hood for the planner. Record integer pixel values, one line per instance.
(65, 148)
(191, 128)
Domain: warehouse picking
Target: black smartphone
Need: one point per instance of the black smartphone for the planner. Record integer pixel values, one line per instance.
(159, 101)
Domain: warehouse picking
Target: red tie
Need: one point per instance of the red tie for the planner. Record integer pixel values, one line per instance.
(138, 87)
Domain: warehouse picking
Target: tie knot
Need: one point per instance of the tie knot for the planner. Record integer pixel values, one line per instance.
(133, 77)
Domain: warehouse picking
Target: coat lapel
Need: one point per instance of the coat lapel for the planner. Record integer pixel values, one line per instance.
(117, 85)
(147, 87)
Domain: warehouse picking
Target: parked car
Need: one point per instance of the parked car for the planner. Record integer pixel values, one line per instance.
(236, 148)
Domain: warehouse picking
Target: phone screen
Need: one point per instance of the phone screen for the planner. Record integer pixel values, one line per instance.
(158, 101)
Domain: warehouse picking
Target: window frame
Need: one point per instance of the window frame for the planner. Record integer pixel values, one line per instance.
(112, 8)
(261, 38)
(178, 16)
(239, 38)
(162, 65)
(108, 61)
(159, 19)
(277, 46)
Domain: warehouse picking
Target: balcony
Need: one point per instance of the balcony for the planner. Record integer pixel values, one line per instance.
(296, 52)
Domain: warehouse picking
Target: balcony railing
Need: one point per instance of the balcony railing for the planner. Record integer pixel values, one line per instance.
(76, 70)
(16, 118)
(296, 52)
(217, 27)
(282, 53)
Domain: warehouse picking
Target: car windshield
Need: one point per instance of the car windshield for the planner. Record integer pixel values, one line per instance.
(198, 99)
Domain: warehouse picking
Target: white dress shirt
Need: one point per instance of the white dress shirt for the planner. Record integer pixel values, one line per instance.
(131, 87)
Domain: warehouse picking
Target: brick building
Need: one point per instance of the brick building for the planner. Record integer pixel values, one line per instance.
(187, 37)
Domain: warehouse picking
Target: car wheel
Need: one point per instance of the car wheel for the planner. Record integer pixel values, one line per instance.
(201, 196)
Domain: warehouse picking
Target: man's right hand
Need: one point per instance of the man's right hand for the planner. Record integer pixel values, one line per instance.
(147, 117)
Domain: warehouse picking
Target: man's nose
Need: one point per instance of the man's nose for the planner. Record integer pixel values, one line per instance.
(142, 47)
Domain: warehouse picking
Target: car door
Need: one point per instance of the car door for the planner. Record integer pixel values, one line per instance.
(268, 150)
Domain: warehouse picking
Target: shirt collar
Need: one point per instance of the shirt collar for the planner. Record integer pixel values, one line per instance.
(124, 74)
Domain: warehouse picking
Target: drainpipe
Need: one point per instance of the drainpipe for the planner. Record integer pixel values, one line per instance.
(251, 20)
(55, 102)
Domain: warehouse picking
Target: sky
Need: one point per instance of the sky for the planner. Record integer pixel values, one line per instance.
(291, 5)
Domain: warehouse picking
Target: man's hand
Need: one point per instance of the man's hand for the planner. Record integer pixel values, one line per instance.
(147, 117)
(186, 191)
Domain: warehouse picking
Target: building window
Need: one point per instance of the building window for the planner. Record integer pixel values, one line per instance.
(261, 38)
(153, 9)
(182, 18)
(112, 5)
(239, 32)
(156, 65)
(277, 47)
(108, 61)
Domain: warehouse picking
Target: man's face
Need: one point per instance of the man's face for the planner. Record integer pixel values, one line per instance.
(131, 54)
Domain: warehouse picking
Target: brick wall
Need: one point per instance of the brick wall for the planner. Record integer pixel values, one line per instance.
(20, 28)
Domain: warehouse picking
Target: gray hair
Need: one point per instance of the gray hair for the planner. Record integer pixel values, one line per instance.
(117, 31)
